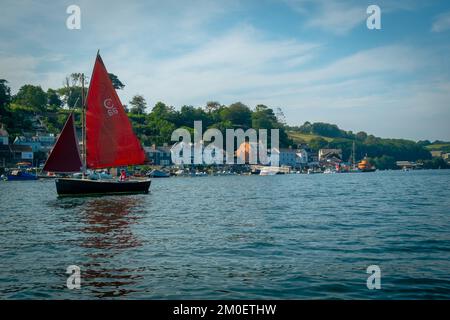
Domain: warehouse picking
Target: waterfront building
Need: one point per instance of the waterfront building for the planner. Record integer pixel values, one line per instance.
(302, 157)
(4, 136)
(159, 156)
(437, 153)
(39, 143)
(330, 154)
(289, 157)
(11, 154)
(406, 164)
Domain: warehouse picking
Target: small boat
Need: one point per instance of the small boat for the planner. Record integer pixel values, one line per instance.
(268, 171)
(20, 175)
(159, 174)
(108, 142)
(365, 166)
(313, 171)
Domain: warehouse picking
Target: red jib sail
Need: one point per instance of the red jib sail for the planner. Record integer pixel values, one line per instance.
(110, 140)
(65, 155)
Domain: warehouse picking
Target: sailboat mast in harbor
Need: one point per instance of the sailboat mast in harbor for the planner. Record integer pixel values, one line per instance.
(83, 128)
(108, 142)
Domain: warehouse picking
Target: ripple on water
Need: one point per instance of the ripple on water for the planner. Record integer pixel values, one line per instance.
(277, 237)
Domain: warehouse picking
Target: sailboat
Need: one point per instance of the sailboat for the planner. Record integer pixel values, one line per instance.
(108, 142)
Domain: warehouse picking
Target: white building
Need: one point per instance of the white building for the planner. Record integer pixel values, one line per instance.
(4, 136)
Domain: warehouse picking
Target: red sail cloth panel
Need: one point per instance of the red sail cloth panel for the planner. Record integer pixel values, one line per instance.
(65, 155)
(110, 139)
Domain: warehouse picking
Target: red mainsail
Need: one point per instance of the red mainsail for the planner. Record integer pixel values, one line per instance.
(65, 155)
(110, 140)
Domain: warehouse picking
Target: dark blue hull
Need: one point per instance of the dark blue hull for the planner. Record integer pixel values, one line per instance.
(22, 177)
(85, 187)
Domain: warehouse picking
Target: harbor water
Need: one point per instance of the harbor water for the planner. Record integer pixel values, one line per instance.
(232, 237)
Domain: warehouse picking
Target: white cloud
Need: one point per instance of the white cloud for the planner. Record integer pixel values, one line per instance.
(170, 52)
(441, 23)
(338, 17)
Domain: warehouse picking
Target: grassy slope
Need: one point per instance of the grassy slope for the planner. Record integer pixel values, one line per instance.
(437, 147)
(298, 137)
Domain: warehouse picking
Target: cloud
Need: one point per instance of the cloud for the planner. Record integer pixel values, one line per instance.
(338, 17)
(342, 16)
(441, 23)
(193, 52)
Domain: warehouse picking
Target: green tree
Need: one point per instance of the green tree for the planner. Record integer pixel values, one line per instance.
(117, 84)
(361, 136)
(326, 130)
(263, 118)
(71, 92)
(318, 143)
(53, 99)
(163, 111)
(385, 162)
(5, 96)
(238, 114)
(31, 96)
(138, 104)
(71, 96)
(306, 128)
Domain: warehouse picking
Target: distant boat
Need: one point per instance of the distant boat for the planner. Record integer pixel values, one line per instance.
(365, 166)
(313, 171)
(20, 175)
(362, 166)
(108, 141)
(159, 174)
(268, 171)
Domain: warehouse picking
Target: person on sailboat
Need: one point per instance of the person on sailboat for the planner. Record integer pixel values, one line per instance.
(123, 175)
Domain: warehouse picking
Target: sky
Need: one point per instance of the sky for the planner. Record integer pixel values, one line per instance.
(315, 59)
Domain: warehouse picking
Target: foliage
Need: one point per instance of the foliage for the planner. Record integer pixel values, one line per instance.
(31, 96)
(156, 126)
(435, 163)
(384, 162)
(138, 104)
(53, 99)
(117, 84)
(5, 96)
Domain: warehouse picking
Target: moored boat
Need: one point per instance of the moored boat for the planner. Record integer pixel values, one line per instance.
(365, 166)
(20, 175)
(159, 174)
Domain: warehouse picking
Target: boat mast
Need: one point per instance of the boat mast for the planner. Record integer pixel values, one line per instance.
(83, 125)
(353, 154)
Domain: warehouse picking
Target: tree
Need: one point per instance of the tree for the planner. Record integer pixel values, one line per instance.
(326, 130)
(31, 96)
(385, 162)
(306, 128)
(71, 92)
(117, 84)
(317, 143)
(5, 96)
(71, 96)
(361, 136)
(281, 118)
(212, 106)
(263, 118)
(53, 99)
(138, 104)
(238, 114)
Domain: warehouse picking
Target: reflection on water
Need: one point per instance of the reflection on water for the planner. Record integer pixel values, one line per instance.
(233, 237)
(107, 226)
